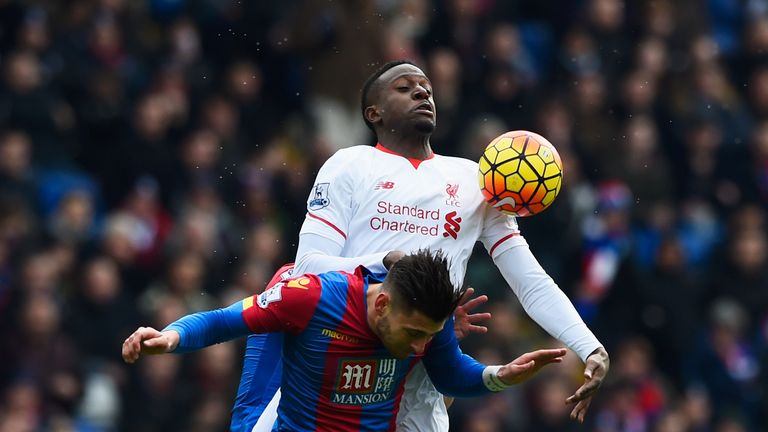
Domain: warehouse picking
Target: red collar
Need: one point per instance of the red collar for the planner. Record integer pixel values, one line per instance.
(414, 162)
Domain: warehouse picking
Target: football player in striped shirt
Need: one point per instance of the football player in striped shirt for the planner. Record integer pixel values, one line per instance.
(350, 339)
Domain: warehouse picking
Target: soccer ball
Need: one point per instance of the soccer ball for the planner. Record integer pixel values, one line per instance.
(520, 173)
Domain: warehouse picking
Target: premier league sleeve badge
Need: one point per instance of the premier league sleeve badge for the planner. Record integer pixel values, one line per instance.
(319, 197)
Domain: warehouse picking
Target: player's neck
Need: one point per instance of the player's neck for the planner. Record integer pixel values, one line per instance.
(412, 148)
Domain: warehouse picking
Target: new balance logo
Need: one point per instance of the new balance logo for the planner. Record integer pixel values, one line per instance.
(452, 226)
(384, 185)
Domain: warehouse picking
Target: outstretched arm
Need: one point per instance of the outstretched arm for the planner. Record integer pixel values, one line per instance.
(456, 374)
(189, 333)
(286, 306)
(543, 300)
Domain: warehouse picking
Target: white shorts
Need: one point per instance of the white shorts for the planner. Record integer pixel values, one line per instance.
(422, 408)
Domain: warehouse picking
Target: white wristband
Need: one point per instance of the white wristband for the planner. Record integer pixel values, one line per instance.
(491, 379)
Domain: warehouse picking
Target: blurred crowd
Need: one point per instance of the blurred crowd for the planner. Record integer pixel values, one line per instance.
(156, 156)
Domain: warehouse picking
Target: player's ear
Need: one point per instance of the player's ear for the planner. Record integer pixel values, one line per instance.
(382, 303)
(372, 114)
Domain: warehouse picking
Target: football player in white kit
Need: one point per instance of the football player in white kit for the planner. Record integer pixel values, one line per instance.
(368, 202)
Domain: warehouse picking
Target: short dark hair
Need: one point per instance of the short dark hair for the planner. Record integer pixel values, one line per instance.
(369, 84)
(421, 282)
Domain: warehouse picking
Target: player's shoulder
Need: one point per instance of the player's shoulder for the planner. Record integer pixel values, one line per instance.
(353, 153)
(303, 282)
(331, 280)
(349, 161)
(299, 288)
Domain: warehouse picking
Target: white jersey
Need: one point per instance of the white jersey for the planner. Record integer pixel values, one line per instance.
(370, 200)
(367, 201)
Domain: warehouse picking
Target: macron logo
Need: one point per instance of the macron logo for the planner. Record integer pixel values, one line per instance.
(384, 185)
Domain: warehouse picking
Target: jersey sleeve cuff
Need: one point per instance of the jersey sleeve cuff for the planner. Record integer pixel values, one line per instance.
(178, 329)
(581, 340)
(583, 350)
(377, 265)
(491, 379)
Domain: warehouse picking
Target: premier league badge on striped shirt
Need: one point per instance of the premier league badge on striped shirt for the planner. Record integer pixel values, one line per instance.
(270, 296)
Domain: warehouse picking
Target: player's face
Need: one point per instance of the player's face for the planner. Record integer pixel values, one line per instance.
(405, 100)
(404, 334)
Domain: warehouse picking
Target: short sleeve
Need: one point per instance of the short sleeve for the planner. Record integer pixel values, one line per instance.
(285, 306)
(500, 232)
(329, 205)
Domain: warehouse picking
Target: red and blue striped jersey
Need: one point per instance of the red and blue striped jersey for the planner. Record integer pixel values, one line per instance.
(336, 374)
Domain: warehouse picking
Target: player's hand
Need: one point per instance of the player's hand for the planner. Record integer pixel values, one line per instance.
(148, 341)
(595, 370)
(391, 258)
(464, 321)
(528, 364)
